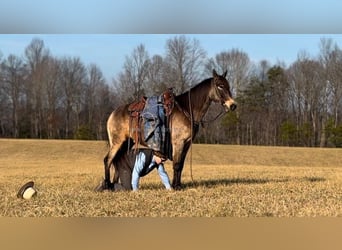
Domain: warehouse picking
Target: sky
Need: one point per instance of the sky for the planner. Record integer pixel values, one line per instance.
(108, 51)
(166, 16)
(104, 32)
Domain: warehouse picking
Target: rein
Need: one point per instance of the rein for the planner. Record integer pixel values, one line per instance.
(202, 122)
(191, 129)
(189, 115)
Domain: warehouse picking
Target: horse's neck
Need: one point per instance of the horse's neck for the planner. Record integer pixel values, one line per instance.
(200, 102)
(199, 111)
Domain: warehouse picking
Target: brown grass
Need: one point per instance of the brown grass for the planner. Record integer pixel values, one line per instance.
(238, 181)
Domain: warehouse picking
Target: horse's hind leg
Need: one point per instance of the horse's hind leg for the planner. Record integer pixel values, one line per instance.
(108, 164)
(116, 176)
(106, 184)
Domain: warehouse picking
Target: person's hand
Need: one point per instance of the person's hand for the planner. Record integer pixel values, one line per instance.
(157, 159)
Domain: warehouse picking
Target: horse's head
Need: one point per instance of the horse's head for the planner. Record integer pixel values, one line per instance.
(221, 91)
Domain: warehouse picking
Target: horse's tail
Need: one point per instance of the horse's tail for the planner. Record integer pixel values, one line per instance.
(109, 132)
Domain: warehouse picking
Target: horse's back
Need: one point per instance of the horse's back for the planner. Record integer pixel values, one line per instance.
(118, 125)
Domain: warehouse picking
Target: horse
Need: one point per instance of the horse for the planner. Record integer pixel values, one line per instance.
(187, 114)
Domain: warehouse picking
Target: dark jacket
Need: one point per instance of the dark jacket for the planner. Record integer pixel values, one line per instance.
(125, 164)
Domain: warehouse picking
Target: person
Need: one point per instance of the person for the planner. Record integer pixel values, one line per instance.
(133, 165)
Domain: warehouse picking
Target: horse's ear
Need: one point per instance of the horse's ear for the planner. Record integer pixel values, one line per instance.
(225, 74)
(214, 73)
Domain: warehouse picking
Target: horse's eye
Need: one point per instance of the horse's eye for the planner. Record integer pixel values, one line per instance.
(220, 87)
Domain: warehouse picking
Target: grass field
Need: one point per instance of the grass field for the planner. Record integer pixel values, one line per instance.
(239, 181)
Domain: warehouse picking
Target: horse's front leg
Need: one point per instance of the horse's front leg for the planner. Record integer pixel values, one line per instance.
(177, 175)
(178, 164)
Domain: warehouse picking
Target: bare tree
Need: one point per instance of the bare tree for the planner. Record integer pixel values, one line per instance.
(262, 69)
(307, 88)
(331, 60)
(238, 65)
(185, 58)
(3, 100)
(133, 76)
(36, 56)
(13, 72)
(156, 78)
(123, 87)
(92, 104)
(107, 100)
(52, 94)
(73, 77)
(276, 92)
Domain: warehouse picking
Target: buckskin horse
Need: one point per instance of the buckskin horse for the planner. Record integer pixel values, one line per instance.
(189, 110)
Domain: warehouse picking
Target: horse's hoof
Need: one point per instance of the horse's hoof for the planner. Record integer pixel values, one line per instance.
(103, 185)
(99, 188)
(177, 188)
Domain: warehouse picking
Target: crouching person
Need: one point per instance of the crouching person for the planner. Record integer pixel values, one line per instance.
(133, 165)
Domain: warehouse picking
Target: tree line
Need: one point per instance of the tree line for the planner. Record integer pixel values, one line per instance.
(44, 96)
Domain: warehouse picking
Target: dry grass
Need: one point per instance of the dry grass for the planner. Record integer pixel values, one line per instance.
(229, 180)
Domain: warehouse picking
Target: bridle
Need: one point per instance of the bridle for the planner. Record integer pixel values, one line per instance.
(189, 114)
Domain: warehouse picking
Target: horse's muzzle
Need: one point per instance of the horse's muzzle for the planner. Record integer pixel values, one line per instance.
(230, 107)
(233, 107)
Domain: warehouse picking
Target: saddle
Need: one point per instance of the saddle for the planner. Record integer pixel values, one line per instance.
(168, 101)
(136, 108)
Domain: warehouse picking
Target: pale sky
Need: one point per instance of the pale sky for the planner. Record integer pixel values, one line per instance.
(170, 16)
(108, 51)
(105, 31)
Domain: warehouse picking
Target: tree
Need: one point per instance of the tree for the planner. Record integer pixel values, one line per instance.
(133, 76)
(334, 134)
(238, 65)
(276, 97)
(3, 100)
(254, 112)
(36, 57)
(52, 94)
(107, 100)
(156, 76)
(184, 58)
(73, 77)
(97, 104)
(13, 73)
(306, 90)
(330, 59)
(253, 108)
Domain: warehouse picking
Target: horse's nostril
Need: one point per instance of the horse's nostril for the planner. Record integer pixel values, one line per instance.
(233, 107)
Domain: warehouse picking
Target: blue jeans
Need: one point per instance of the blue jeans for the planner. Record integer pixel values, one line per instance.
(139, 171)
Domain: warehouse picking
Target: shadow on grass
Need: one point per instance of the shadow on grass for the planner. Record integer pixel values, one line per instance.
(248, 181)
(226, 182)
(314, 179)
